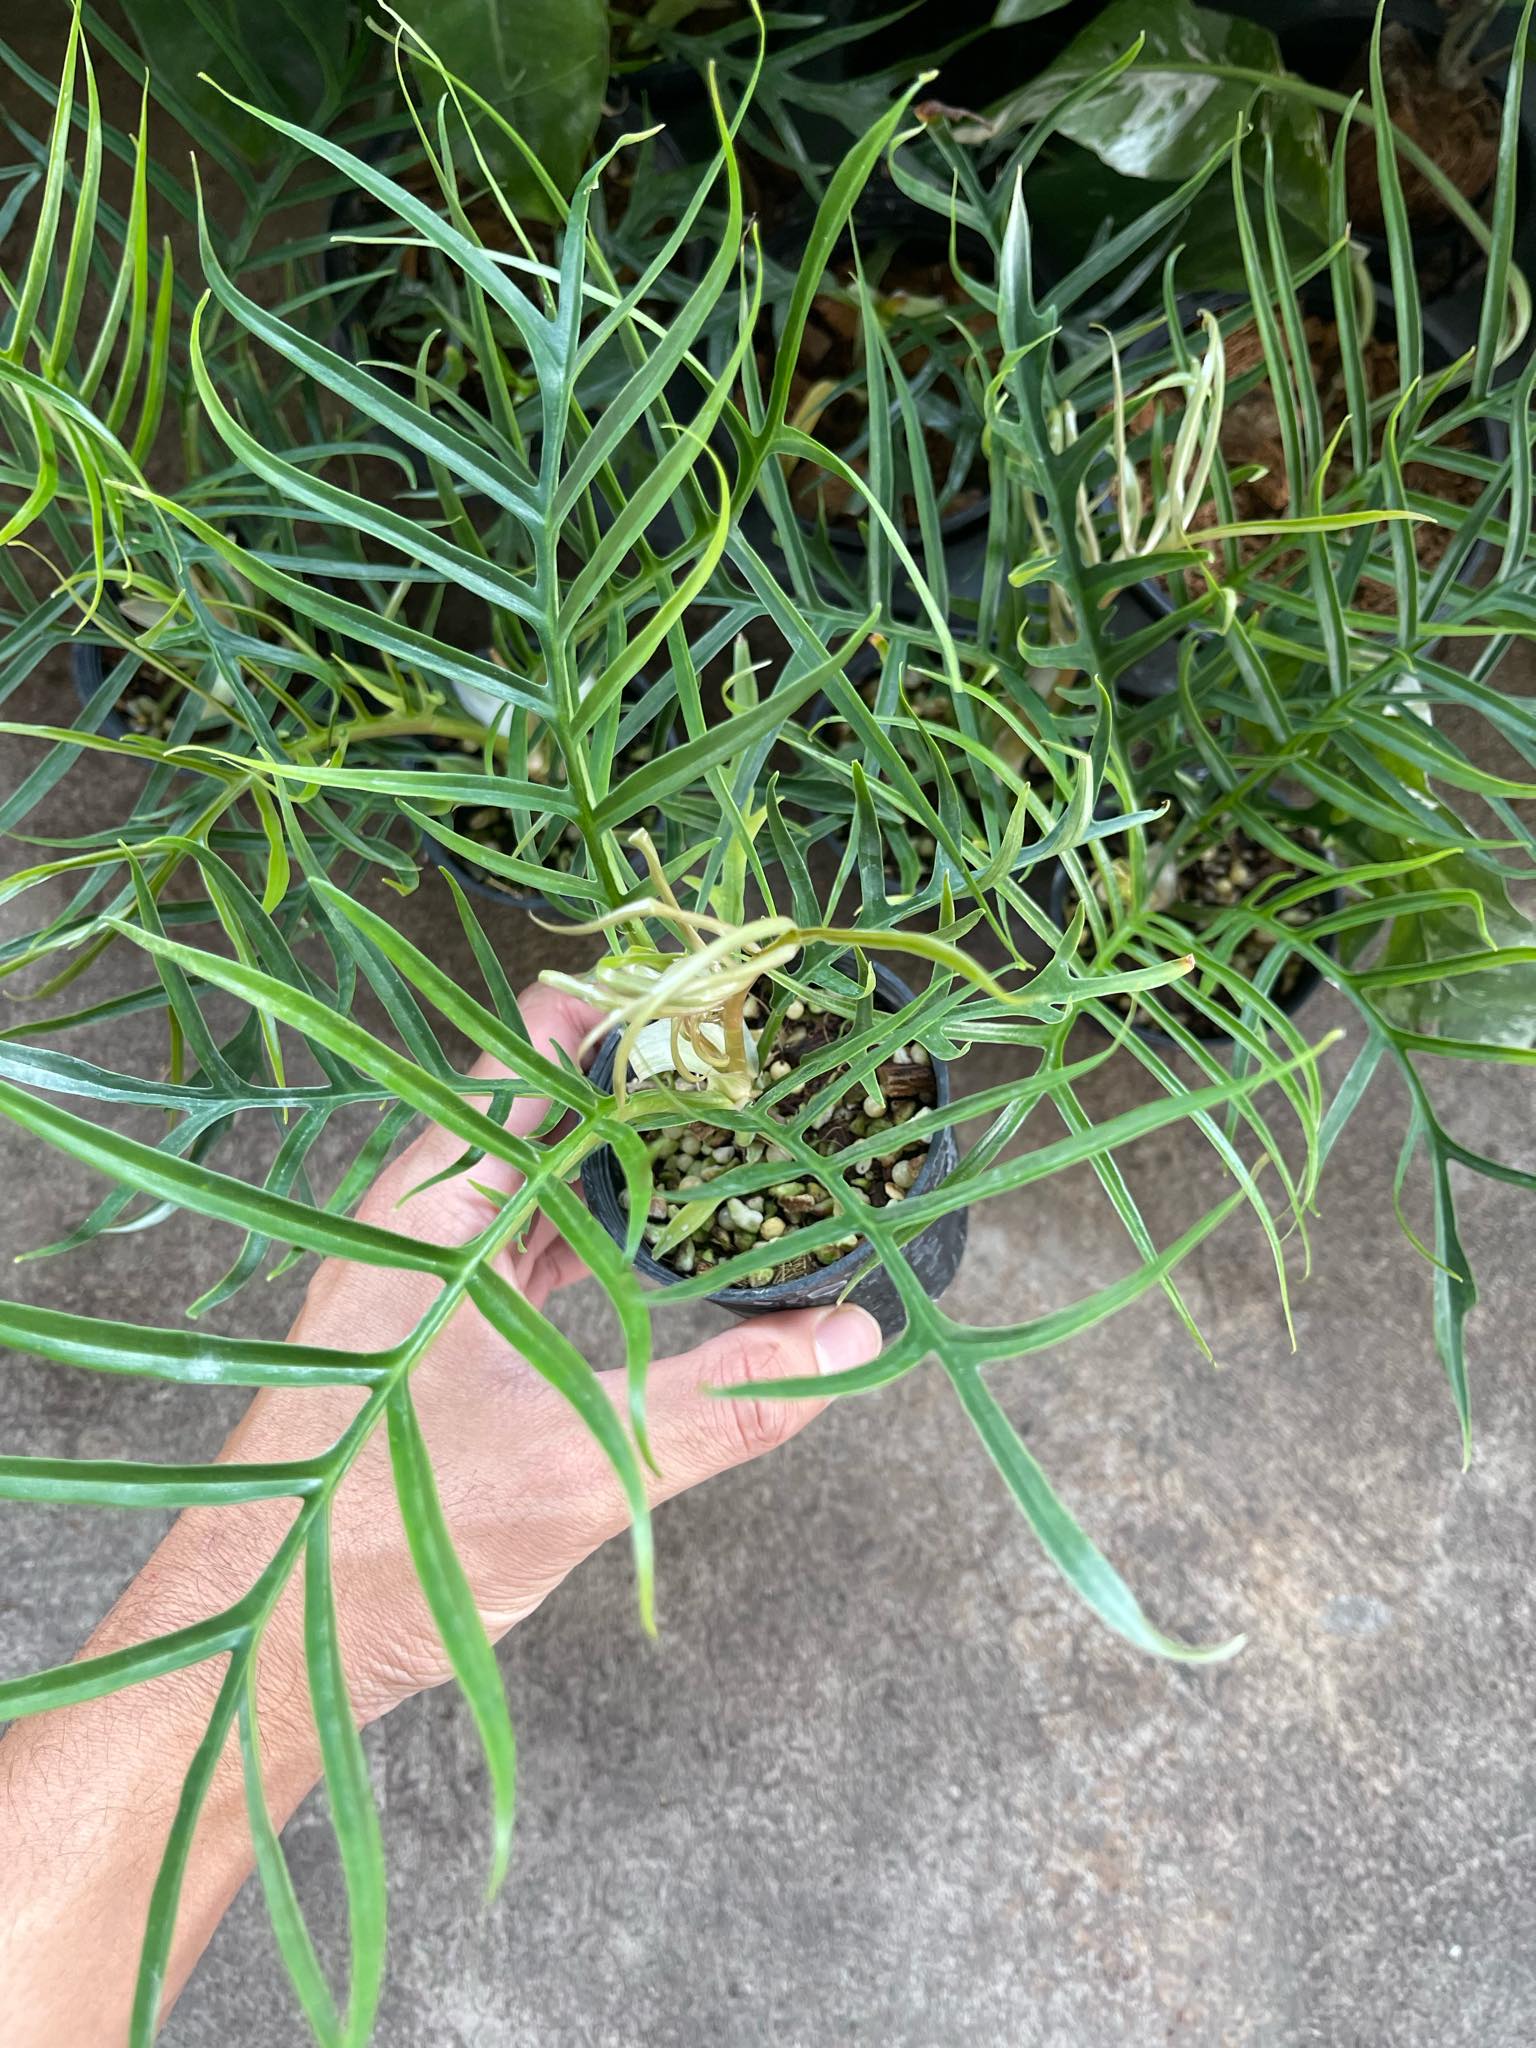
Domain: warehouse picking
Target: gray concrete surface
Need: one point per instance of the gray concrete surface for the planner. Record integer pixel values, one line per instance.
(881, 1780)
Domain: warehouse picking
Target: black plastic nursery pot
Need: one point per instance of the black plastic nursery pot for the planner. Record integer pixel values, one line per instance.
(1304, 983)
(934, 1255)
(481, 881)
(1156, 672)
(88, 671)
(1323, 44)
(478, 881)
(473, 879)
(914, 234)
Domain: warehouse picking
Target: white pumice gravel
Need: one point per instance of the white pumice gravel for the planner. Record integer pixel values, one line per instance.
(686, 1159)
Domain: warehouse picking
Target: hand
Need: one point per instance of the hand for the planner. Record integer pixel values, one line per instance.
(526, 1490)
(527, 1496)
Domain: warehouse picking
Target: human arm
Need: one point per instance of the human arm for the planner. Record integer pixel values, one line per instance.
(88, 1792)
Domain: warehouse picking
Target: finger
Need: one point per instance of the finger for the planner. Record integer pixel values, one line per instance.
(695, 1431)
(554, 1265)
(555, 1023)
(554, 1497)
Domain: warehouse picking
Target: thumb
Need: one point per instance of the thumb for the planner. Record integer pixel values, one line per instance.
(696, 1432)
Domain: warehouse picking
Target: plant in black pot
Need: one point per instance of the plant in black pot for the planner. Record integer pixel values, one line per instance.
(1314, 420)
(1442, 79)
(1340, 804)
(1352, 375)
(788, 1075)
(1238, 889)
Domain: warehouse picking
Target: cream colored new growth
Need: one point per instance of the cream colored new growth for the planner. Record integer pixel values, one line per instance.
(701, 991)
(1182, 489)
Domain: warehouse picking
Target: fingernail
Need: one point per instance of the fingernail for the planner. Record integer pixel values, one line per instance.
(846, 1337)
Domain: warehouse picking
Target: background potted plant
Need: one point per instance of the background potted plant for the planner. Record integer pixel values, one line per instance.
(1443, 72)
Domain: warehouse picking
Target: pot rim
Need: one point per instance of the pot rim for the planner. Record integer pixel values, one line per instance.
(853, 1264)
(461, 866)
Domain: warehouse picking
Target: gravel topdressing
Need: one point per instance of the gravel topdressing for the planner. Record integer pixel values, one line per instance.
(687, 1159)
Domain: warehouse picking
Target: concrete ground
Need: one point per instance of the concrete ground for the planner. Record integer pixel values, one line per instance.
(881, 1779)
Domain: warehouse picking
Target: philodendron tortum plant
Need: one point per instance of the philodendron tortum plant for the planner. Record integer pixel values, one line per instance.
(820, 895)
(761, 1070)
